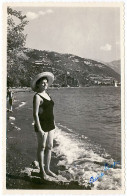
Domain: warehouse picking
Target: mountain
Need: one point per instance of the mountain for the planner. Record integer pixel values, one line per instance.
(69, 70)
(115, 65)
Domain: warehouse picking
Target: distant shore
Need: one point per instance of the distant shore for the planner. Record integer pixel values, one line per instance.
(23, 89)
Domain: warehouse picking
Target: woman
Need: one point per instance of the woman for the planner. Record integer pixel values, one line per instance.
(9, 99)
(44, 120)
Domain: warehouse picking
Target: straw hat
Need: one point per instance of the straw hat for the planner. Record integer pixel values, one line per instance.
(49, 75)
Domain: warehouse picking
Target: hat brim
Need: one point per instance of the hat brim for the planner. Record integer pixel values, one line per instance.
(49, 75)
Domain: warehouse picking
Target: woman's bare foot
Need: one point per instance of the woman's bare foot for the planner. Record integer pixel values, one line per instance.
(44, 176)
(50, 173)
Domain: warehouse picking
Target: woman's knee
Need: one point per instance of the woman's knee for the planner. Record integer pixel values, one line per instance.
(41, 147)
(49, 147)
(41, 141)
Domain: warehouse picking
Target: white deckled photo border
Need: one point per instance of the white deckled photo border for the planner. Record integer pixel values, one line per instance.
(121, 5)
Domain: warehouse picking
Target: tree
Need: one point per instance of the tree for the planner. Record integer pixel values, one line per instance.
(16, 39)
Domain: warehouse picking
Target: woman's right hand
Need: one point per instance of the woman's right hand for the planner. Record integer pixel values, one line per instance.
(42, 132)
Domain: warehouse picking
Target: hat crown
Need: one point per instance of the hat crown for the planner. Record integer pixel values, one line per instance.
(49, 75)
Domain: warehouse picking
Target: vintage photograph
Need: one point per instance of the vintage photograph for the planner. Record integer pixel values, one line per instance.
(64, 96)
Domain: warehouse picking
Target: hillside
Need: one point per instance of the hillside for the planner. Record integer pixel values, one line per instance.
(115, 65)
(69, 70)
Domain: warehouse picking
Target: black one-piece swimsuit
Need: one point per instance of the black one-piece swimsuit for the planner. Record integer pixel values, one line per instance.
(46, 116)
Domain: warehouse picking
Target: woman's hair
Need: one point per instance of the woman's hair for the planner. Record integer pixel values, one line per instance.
(43, 78)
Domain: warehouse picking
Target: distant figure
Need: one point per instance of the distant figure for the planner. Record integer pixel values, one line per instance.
(9, 100)
(44, 121)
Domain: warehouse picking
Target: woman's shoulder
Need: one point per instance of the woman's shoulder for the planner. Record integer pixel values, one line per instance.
(36, 96)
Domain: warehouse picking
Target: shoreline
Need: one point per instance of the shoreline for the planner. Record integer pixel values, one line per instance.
(21, 153)
(19, 159)
(28, 89)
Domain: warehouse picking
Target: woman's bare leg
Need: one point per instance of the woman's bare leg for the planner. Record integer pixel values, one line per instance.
(40, 153)
(49, 145)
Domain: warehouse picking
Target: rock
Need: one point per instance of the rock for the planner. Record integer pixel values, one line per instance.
(11, 118)
(35, 164)
(26, 172)
(17, 128)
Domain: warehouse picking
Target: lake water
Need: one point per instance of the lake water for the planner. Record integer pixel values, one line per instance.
(88, 132)
(92, 112)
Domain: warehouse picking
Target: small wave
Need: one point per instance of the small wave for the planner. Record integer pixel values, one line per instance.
(63, 126)
(22, 104)
(11, 137)
(15, 100)
(81, 162)
(104, 108)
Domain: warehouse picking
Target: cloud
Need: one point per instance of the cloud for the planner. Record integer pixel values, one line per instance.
(106, 47)
(41, 13)
(33, 15)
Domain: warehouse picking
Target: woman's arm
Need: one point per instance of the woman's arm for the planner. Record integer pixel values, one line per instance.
(36, 104)
(55, 123)
(11, 94)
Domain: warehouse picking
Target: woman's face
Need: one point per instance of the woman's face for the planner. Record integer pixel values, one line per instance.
(43, 84)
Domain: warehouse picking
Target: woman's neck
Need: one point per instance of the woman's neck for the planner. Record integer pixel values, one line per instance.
(42, 92)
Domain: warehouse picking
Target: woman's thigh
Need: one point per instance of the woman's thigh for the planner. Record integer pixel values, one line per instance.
(50, 136)
(41, 139)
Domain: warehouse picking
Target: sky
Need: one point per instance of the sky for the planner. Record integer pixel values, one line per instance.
(89, 32)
